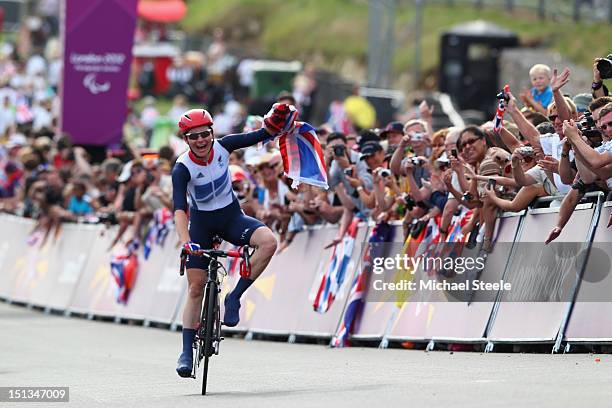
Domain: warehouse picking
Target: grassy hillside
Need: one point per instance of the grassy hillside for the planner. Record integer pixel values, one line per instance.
(332, 31)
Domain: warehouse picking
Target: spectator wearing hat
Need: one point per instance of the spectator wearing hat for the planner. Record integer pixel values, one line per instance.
(244, 189)
(582, 102)
(393, 134)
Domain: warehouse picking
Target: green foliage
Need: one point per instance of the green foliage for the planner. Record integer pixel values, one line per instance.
(335, 30)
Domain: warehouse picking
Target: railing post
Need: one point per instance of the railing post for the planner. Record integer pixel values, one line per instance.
(576, 10)
(542, 9)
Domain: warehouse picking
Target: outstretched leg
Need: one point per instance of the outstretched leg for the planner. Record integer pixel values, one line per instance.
(264, 242)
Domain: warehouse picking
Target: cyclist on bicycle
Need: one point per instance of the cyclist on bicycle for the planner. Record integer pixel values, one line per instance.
(202, 175)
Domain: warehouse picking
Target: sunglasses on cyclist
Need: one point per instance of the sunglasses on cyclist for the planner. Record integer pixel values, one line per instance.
(195, 136)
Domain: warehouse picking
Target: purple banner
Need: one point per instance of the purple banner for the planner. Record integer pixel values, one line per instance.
(98, 40)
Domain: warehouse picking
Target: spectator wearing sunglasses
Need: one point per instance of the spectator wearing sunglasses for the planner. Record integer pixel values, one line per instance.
(582, 183)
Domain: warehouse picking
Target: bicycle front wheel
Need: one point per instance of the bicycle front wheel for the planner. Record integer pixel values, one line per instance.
(212, 300)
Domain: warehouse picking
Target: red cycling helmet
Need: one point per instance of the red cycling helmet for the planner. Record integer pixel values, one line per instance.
(194, 118)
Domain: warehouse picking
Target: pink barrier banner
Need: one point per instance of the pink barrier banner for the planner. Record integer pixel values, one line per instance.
(98, 36)
(548, 272)
(591, 318)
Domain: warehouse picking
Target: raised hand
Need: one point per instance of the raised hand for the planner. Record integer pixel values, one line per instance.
(550, 164)
(426, 111)
(558, 81)
(279, 118)
(570, 129)
(596, 73)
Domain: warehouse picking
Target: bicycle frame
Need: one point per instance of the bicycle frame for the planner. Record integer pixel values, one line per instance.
(208, 334)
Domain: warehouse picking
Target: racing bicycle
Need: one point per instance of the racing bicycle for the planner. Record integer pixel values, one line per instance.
(208, 333)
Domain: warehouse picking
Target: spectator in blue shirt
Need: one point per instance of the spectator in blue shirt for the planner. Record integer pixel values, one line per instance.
(80, 203)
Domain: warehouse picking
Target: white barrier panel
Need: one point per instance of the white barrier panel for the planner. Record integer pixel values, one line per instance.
(38, 270)
(145, 292)
(377, 318)
(315, 263)
(529, 271)
(591, 319)
(95, 292)
(170, 287)
(274, 301)
(71, 253)
(13, 248)
(450, 319)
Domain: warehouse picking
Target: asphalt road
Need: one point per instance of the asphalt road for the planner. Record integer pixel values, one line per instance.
(107, 364)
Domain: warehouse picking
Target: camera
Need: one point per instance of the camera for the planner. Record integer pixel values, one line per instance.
(604, 66)
(503, 95)
(107, 218)
(339, 150)
(454, 153)
(526, 151)
(588, 127)
(384, 172)
(409, 201)
(417, 137)
(491, 184)
(348, 172)
(415, 161)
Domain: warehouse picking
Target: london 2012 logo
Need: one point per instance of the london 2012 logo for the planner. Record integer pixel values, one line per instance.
(94, 87)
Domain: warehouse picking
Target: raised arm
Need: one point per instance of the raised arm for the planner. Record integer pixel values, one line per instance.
(396, 160)
(591, 158)
(520, 177)
(525, 127)
(240, 140)
(556, 84)
(598, 86)
(509, 139)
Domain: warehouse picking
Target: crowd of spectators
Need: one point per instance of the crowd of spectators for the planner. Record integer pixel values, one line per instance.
(554, 145)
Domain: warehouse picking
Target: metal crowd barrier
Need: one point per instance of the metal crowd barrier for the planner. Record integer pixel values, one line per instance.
(70, 273)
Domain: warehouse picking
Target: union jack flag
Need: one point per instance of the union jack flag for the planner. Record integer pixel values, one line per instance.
(302, 155)
(498, 122)
(382, 232)
(159, 227)
(124, 268)
(332, 280)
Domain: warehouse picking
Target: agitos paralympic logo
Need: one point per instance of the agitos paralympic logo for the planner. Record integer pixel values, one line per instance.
(94, 87)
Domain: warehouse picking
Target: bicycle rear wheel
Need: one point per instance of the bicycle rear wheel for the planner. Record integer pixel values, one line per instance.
(212, 299)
